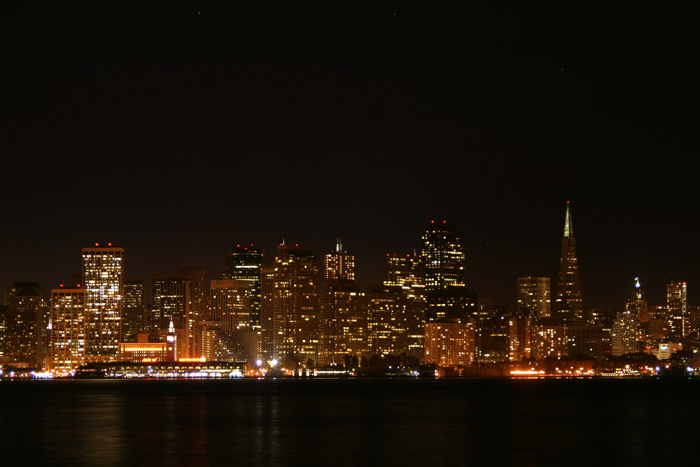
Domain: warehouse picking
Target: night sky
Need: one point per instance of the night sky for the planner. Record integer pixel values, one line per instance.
(180, 133)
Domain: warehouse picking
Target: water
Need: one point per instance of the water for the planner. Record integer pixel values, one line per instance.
(350, 422)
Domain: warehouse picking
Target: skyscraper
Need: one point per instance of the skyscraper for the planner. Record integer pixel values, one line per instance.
(569, 302)
(339, 265)
(103, 271)
(443, 256)
(445, 284)
(677, 307)
(67, 329)
(295, 304)
(245, 264)
(342, 313)
(533, 297)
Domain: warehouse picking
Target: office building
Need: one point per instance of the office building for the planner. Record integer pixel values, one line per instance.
(534, 297)
(102, 274)
(296, 305)
(245, 263)
(67, 329)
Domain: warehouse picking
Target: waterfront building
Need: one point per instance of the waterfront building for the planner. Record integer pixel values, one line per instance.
(450, 344)
(102, 274)
(549, 339)
(67, 329)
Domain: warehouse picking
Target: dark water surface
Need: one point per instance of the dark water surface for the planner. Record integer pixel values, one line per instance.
(350, 422)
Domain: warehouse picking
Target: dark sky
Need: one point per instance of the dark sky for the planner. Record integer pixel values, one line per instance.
(182, 132)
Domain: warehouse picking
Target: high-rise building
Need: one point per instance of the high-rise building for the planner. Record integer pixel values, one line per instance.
(267, 287)
(343, 317)
(406, 272)
(133, 310)
(449, 344)
(181, 297)
(443, 256)
(519, 338)
(103, 272)
(569, 301)
(624, 334)
(638, 304)
(67, 329)
(24, 340)
(390, 318)
(343, 322)
(245, 264)
(339, 265)
(229, 302)
(677, 307)
(534, 297)
(296, 305)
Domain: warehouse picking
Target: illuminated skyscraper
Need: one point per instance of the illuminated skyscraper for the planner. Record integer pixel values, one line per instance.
(677, 307)
(67, 329)
(295, 304)
(638, 304)
(229, 302)
(103, 271)
(443, 256)
(569, 302)
(267, 311)
(534, 297)
(339, 265)
(408, 273)
(245, 264)
(342, 314)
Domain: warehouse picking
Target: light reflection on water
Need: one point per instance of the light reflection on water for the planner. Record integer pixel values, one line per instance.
(349, 422)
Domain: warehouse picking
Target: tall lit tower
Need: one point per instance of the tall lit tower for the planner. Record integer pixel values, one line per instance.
(342, 315)
(245, 264)
(569, 302)
(103, 271)
(339, 265)
(677, 307)
(295, 304)
(67, 333)
(638, 304)
(443, 256)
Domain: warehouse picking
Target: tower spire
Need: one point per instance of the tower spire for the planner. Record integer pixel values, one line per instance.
(568, 226)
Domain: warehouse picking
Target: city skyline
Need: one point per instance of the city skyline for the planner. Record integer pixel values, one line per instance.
(236, 127)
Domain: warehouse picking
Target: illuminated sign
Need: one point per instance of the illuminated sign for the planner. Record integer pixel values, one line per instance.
(192, 359)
